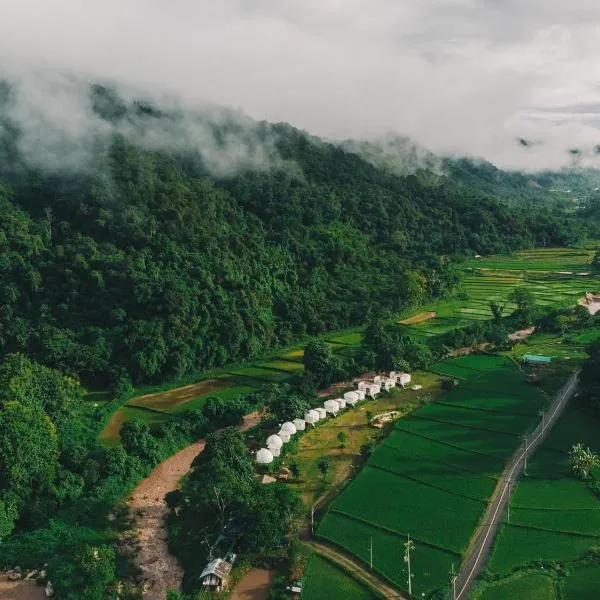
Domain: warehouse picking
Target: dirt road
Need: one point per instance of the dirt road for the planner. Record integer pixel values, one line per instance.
(161, 571)
(483, 541)
(359, 571)
(254, 585)
(22, 589)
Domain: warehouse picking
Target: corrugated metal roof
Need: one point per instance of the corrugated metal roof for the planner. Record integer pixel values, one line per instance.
(536, 358)
(219, 567)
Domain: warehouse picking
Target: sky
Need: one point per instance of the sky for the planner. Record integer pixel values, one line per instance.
(466, 77)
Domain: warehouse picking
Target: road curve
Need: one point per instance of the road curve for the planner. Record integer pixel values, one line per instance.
(484, 538)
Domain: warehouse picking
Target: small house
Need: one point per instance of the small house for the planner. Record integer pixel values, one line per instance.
(216, 573)
(372, 390)
(351, 398)
(331, 406)
(536, 360)
(295, 588)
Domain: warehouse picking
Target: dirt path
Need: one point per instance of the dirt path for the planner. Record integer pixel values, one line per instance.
(483, 540)
(161, 571)
(22, 589)
(359, 571)
(178, 396)
(254, 585)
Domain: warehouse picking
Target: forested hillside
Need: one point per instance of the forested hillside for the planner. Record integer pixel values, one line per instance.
(151, 266)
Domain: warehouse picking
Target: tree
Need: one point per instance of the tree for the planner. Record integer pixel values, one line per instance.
(289, 407)
(295, 470)
(137, 440)
(319, 360)
(496, 310)
(28, 452)
(582, 461)
(525, 301)
(342, 438)
(323, 466)
(368, 416)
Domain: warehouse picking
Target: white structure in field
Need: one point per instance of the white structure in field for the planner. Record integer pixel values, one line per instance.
(274, 441)
(299, 424)
(284, 435)
(389, 383)
(378, 379)
(289, 427)
(351, 398)
(372, 390)
(362, 385)
(417, 387)
(322, 412)
(264, 456)
(341, 402)
(312, 416)
(394, 375)
(404, 379)
(360, 394)
(275, 451)
(331, 406)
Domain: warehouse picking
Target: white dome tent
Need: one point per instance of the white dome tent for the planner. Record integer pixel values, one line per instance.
(351, 398)
(362, 385)
(341, 402)
(300, 424)
(274, 441)
(331, 406)
(404, 379)
(264, 456)
(284, 435)
(311, 417)
(360, 394)
(377, 379)
(289, 427)
(322, 412)
(275, 451)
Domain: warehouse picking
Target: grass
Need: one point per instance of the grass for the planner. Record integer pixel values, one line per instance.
(321, 441)
(524, 586)
(325, 581)
(518, 546)
(583, 583)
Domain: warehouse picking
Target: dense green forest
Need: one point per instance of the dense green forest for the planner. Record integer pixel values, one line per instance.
(150, 267)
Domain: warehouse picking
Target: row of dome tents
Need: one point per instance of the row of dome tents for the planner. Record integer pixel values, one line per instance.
(275, 442)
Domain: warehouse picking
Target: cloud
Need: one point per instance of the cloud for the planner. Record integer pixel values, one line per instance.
(458, 76)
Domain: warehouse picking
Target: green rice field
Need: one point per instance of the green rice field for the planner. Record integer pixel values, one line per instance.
(431, 477)
(325, 581)
(554, 516)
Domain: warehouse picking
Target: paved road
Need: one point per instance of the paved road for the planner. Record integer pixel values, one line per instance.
(482, 544)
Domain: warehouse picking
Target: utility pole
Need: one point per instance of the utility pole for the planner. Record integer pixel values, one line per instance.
(453, 580)
(525, 437)
(408, 546)
(312, 519)
(371, 562)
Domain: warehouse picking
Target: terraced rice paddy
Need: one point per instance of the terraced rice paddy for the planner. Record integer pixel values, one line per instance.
(431, 477)
(554, 275)
(554, 516)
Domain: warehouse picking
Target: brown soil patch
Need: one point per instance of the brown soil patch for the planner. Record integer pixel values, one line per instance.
(255, 585)
(338, 388)
(22, 589)
(591, 302)
(420, 318)
(522, 334)
(160, 570)
(111, 432)
(466, 350)
(172, 398)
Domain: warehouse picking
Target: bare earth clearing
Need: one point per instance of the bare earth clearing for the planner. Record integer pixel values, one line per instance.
(22, 589)
(420, 318)
(161, 571)
(592, 303)
(254, 585)
(173, 398)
